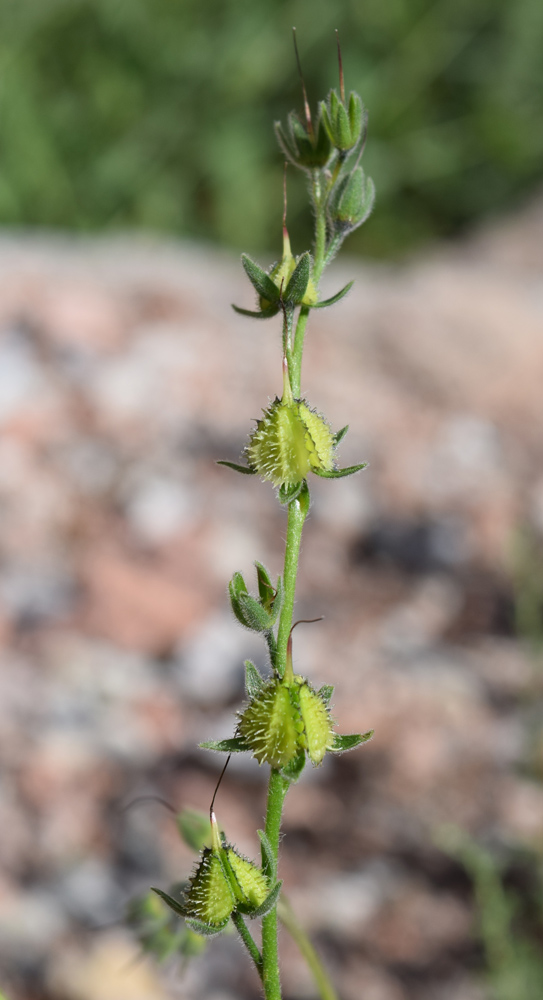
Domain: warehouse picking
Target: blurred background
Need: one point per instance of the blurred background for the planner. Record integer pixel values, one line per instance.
(137, 158)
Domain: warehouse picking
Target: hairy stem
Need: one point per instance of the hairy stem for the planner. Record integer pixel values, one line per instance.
(322, 981)
(277, 789)
(248, 940)
(297, 511)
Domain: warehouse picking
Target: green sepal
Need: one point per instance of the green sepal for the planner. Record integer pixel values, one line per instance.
(294, 768)
(261, 282)
(245, 469)
(261, 314)
(253, 616)
(325, 692)
(344, 138)
(254, 682)
(334, 298)
(269, 861)
(299, 280)
(266, 906)
(206, 930)
(194, 829)
(287, 494)
(338, 437)
(174, 904)
(234, 745)
(357, 116)
(341, 744)
(340, 473)
(266, 589)
(304, 498)
(248, 610)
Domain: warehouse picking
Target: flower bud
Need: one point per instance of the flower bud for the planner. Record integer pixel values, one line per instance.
(345, 125)
(306, 148)
(351, 201)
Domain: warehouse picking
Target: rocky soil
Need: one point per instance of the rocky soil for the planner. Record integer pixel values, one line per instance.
(124, 375)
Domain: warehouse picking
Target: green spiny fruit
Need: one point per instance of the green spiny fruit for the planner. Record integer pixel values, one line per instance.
(317, 722)
(269, 725)
(251, 880)
(284, 718)
(210, 897)
(290, 441)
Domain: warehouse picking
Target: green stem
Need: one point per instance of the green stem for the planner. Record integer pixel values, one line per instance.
(277, 789)
(248, 941)
(297, 512)
(288, 919)
(319, 263)
(297, 350)
(319, 202)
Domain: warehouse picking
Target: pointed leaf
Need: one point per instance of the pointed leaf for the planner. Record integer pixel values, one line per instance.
(299, 280)
(253, 681)
(261, 282)
(234, 745)
(334, 298)
(269, 863)
(206, 930)
(343, 743)
(339, 473)
(174, 904)
(326, 692)
(340, 435)
(267, 905)
(261, 314)
(237, 468)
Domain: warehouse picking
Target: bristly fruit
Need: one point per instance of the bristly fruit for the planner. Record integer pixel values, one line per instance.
(287, 716)
(290, 441)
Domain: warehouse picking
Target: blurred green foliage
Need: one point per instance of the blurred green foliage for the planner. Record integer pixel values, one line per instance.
(158, 113)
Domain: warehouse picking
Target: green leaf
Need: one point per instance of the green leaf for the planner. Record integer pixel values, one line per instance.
(326, 692)
(174, 904)
(261, 314)
(206, 930)
(269, 863)
(261, 282)
(338, 437)
(245, 469)
(294, 768)
(299, 280)
(340, 473)
(235, 745)
(334, 298)
(343, 743)
(253, 681)
(194, 828)
(267, 905)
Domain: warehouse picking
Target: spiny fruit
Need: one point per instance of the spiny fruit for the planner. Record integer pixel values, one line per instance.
(284, 718)
(223, 880)
(289, 441)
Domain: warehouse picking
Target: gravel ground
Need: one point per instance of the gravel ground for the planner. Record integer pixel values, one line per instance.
(124, 374)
